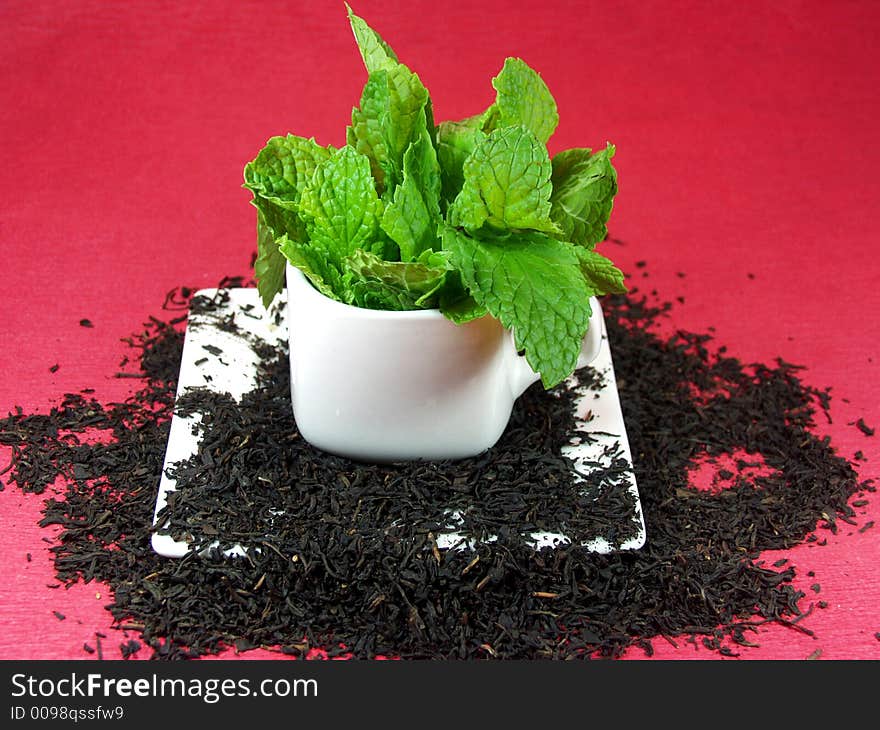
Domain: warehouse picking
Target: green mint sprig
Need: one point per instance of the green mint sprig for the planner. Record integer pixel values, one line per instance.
(471, 216)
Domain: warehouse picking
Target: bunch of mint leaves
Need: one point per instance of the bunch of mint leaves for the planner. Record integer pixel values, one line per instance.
(472, 217)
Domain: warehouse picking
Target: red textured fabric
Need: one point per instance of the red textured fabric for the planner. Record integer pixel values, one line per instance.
(747, 144)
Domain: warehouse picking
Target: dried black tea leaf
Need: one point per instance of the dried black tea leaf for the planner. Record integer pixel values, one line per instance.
(345, 557)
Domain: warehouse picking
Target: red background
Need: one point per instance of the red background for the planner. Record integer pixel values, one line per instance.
(747, 141)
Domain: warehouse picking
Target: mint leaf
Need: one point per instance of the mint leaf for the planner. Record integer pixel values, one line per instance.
(455, 143)
(283, 168)
(372, 294)
(584, 186)
(280, 219)
(313, 262)
(435, 259)
(429, 122)
(273, 221)
(533, 285)
(392, 115)
(277, 177)
(375, 52)
(522, 98)
(601, 275)
(453, 298)
(397, 285)
(462, 309)
(340, 206)
(506, 184)
(412, 217)
(269, 264)
(456, 302)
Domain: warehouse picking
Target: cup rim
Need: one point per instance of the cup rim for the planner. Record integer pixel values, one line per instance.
(297, 276)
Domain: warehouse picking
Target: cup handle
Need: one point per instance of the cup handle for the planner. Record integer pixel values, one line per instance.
(519, 373)
(593, 339)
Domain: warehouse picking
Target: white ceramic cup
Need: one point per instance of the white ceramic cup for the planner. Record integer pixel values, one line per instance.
(386, 386)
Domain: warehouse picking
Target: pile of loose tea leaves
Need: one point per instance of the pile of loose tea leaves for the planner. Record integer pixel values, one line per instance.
(345, 557)
(255, 481)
